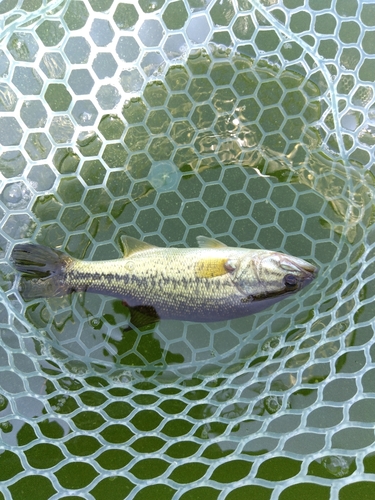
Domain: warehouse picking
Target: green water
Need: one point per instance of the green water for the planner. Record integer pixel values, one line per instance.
(239, 138)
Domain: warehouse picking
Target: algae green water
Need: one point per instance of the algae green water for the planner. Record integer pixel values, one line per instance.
(247, 121)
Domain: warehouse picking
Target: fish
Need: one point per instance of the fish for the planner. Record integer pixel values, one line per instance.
(212, 282)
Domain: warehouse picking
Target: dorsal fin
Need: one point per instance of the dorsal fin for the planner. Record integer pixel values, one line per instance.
(132, 245)
(205, 242)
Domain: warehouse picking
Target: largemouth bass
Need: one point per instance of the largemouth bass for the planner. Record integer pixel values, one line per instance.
(211, 283)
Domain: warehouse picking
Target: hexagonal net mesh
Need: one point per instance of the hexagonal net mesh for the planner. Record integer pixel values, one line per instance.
(250, 121)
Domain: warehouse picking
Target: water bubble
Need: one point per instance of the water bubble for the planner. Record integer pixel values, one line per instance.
(221, 50)
(85, 117)
(96, 323)
(338, 466)
(3, 402)
(273, 404)
(16, 195)
(123, 378)
(271, 344)
(6, 427)
(12, 193)
(164, 176)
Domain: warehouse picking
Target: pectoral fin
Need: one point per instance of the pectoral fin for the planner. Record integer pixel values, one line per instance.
(142, 317)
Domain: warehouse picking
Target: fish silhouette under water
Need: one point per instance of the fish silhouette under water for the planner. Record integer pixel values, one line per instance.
(211, 283)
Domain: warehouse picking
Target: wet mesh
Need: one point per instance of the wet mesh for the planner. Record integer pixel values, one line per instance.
(250, 121)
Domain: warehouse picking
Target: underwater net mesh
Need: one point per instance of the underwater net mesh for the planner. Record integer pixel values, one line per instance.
(250, 121)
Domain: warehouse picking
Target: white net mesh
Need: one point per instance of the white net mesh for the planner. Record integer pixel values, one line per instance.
(248, 121)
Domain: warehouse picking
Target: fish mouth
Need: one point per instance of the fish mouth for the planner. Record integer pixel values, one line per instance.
(309, 271)
(310, 268)
(301, 269)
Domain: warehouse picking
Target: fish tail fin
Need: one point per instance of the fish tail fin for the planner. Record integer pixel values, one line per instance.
(44, 269)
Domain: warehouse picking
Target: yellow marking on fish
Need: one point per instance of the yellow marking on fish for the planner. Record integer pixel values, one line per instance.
(210, 268)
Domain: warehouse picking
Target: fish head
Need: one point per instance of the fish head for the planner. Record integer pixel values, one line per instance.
(267, 274)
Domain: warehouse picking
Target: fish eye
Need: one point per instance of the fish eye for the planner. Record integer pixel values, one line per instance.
(291, 282)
